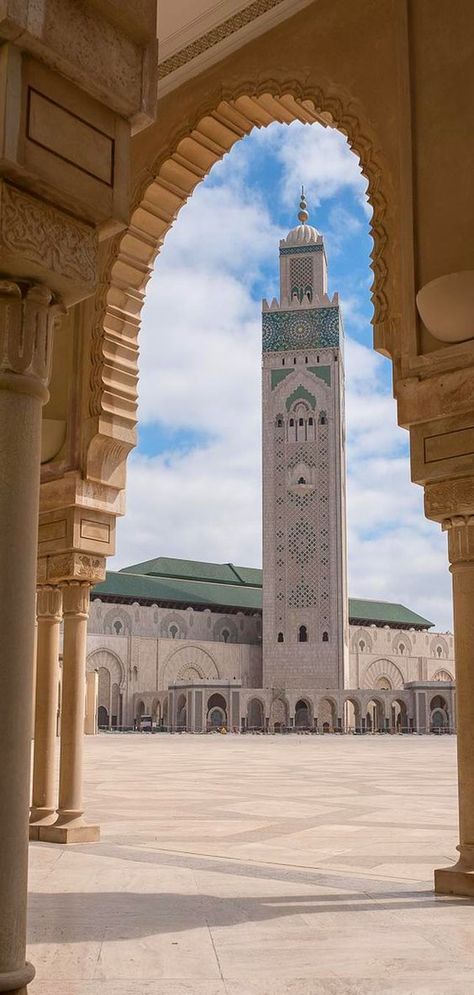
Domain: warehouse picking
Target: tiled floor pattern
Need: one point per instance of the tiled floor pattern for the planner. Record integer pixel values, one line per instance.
(256, 866)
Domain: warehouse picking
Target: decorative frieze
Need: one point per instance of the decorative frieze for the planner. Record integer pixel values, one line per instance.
(37, 238)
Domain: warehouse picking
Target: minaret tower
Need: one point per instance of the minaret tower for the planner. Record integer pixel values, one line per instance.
(304, 478)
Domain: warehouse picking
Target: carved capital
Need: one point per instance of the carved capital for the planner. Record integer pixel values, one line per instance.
(460, 530)
(28, 316)
(49, 603)
(76, 598)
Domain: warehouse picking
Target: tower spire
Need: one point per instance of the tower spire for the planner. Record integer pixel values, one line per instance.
(303, 211)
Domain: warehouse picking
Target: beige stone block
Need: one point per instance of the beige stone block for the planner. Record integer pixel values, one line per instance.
(69, 834)
(451, 881)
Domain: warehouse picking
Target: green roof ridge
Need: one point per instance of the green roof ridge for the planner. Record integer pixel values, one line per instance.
(229, 585)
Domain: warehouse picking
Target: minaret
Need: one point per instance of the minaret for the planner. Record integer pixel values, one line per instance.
(304, 478)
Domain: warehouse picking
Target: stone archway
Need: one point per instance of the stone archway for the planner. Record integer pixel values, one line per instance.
(176, 167)
(255, 714)
(379, 670)
(303, 714)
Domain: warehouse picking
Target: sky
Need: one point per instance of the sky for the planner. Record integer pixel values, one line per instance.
(194, 481)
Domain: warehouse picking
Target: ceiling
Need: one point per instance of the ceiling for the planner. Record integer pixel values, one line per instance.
(194, 34)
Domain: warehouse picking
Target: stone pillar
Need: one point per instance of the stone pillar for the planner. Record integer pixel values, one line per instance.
(48, 610)
(459, 878)
(70, 826)
(27, 319)
(92, 690)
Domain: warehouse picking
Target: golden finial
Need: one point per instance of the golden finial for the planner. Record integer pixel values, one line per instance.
(303, 211)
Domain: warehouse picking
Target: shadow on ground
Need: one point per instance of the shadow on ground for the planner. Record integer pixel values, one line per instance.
(81, 917)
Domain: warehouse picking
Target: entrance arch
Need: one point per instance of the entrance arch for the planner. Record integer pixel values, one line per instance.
(102, 717)
(216, 712)
(303, 718)
(255, 714)
(439, 714)
(181, 712)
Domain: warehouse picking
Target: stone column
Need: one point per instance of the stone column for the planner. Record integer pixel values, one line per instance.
(48, 610)
(27, 319)
(92, 688)
(70, 826)
(459, 878)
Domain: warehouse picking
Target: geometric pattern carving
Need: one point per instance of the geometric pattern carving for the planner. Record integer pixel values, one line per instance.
(317, 328)
(189, 657)
(382, 668)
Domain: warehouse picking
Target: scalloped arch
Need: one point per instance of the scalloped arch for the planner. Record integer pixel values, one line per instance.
(161, 188)
(382, 668)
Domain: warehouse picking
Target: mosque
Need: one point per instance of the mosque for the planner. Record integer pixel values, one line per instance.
(184, 645)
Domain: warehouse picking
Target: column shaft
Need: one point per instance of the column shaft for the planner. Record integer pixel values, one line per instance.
(459, 878)
(43, 808)
(70, 826)
(463, 598)
(26, 332)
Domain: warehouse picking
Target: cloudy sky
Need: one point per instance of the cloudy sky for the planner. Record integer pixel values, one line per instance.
(194, 481)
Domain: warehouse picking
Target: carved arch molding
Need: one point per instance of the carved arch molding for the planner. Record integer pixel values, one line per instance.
(161, 190)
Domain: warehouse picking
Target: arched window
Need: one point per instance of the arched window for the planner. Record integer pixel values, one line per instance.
(174, 631)
(292, 422)
(302, 634)
(310, 421)
(306, 359)
(301, 480)
(118, 627)
(279, 422)
(362, 645)
(439, 652)
(401, 647)
(322, 418)
(280, 638)
(294, 361)
(283, 361)
(301, 421)
(225, 635)
(325, 637)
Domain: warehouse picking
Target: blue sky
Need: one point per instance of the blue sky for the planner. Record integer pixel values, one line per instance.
(194, 480)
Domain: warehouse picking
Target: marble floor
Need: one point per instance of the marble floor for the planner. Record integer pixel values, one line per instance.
(256, 865)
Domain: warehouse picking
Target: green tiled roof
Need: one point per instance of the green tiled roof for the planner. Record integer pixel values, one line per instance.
(224, 585)
(206, 594)
(385, 613)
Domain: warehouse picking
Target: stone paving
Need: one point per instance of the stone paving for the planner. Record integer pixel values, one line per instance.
(256, 865)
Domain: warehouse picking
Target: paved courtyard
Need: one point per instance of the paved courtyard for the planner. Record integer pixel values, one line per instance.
(256, 866)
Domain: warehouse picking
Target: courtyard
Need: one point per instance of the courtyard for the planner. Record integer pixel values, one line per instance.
(253, 865)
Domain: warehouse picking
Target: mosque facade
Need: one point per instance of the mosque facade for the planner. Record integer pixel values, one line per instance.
(193, 646)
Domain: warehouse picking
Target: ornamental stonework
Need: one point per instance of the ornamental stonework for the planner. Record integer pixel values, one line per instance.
(45, 236)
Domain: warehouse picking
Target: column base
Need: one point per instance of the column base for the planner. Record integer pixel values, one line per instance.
(37, 820)
(68, 834)
(15, 982)
(454, 880)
